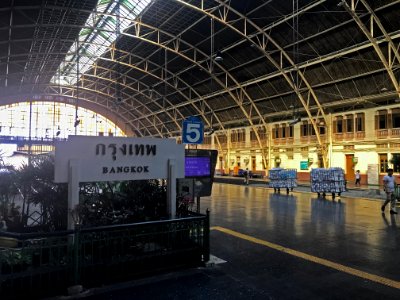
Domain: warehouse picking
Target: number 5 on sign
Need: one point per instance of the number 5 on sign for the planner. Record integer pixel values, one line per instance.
(192, 131)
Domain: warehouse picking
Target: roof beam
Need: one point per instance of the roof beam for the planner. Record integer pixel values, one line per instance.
(369, 35)
(9, 42)
(393, 50)
(259, 41)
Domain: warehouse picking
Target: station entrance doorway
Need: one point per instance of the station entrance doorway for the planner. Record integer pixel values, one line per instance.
(350, 172)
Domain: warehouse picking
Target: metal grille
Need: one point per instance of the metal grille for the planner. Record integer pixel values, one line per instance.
(45, 264)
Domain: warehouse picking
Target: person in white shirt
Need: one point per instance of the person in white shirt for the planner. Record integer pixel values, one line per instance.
(388, 185)
(358, 178)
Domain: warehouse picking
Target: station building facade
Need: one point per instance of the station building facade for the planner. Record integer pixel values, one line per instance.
(367, 140)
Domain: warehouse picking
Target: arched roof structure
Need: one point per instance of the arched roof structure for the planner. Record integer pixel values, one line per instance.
(279, 58)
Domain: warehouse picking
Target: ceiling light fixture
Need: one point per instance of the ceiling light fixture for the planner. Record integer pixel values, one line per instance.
(294, 121)
(210, 132)
(218, 57)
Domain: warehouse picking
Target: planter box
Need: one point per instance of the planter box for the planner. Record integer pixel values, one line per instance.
(6, 242)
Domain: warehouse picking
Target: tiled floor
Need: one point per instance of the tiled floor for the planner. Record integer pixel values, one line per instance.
(276, 238)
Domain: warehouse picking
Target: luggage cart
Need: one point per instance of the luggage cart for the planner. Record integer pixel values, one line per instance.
(282, 178)
(396, 192)
(324, 181)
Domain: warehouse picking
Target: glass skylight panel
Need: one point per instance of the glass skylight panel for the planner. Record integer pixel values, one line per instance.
(96, 37)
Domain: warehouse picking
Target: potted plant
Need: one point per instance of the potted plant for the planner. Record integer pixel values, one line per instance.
(14, 260)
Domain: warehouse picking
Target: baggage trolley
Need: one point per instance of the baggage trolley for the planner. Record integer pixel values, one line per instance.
(396, 192)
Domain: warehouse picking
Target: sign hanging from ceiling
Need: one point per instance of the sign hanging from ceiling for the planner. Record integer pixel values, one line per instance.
(118, 158)
(192, 131)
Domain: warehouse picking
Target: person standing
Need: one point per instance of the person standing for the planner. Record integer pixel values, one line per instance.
(358, 178)
(388, 185)
(246, 176)
(3, 224)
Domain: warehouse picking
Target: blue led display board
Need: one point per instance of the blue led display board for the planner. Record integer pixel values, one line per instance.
(197, 166)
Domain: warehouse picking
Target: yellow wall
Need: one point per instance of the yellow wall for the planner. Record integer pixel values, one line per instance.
(365, 149)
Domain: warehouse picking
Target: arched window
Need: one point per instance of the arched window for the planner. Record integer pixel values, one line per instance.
(396, 118)
(349, 123)
(53, 119)
(360, 122)
(381, 120)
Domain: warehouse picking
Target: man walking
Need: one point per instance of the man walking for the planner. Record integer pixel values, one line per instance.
(246, 176)
(388, 186)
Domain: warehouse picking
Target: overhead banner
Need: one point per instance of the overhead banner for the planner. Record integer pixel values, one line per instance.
(118, 158)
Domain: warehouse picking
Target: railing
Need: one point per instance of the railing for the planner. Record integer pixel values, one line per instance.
(338, 137)
(256, 144)
(386, 133)
(45, 264)
(349, 136)
(283, 141)
(395, 132)
(360, 135)
(304, 139)
(6, 139)
(35, 261)
(382, 133)
(276, 141)
(238, 145)
(312, 139)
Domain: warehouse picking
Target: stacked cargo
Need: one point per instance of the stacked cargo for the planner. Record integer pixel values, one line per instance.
(282, 178)
(328, 181)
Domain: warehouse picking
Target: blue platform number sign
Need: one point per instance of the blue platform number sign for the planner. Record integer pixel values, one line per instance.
(192, 131)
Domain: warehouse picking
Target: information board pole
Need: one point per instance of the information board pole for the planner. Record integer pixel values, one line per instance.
(73, 201)
(73, 190)
(198, 204)
(171, 188)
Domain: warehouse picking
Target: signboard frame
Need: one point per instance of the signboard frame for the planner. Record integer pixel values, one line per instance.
(117, 158)
(192, 131)
(96, 159)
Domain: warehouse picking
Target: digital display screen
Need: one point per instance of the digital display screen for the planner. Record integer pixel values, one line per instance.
(197, 166)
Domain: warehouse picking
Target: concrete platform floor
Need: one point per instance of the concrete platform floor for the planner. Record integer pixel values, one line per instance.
(279, 246)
